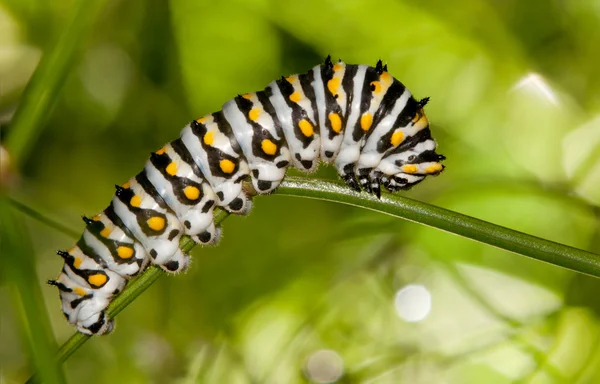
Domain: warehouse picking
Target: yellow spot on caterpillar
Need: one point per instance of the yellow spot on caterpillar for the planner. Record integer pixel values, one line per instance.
(202, 120)
(338, 67)
(296, 97)
(227, 166)
(433, 168)
(397, 138)
(336, 122)
(333, 85)
(191, 192)
(96, 218)
(209, 138)
(247, 96)
(365, 121)
(268, 147)
(253, 114)
(97, 279)
(376, 85)
(385, 77)
(161, 151)
(77, 262)
(290, 79)
(306, 128)
(171, 168)
(411, 168)
(156, 223)
(135, 201)
(127, 185)
(80, 291)
(105, 232)
(125, 252)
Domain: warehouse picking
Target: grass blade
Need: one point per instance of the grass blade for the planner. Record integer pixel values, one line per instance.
(18, 268)
(43, 88)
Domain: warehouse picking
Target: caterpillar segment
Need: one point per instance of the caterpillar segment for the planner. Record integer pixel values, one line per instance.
(357, 117)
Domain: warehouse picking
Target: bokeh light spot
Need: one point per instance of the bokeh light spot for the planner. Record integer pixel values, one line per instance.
(413, 303)
(324, 366)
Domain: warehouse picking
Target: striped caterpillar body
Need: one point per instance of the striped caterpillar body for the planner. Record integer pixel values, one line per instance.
(358, 117)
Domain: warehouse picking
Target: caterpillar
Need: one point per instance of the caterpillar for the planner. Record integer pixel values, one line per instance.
(357, 117)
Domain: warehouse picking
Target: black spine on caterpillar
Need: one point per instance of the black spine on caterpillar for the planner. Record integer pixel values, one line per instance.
(357, 117)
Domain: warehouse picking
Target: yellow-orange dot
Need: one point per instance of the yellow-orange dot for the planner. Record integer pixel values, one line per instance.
(96, 218)
(268, 147)
(127, 185)
(77, 262)
(202, 120)
(80, 291)
(191, 192)
(247, 96)
(227, 166)
(385, 77)
(135, 201)
(209, 138)
(376, 86)
(290, 79)
(433, 168)
(306, 127)
(124, 252)
(333, 85)
(253, 114)
(98, 279)
(338, 67)
(336, 122)
(296, 97)
(161, 151)
(171, 168)
(156, 223)
(365, 121)
(397, 138)
(105, 232)
(411, 168)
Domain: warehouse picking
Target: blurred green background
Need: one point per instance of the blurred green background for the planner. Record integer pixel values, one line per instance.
(307, 291)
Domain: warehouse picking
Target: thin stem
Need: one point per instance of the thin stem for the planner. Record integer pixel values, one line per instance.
(43, 219)
(398, 206)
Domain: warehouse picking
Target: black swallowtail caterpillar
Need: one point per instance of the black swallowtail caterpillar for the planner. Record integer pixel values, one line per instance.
(358, 117)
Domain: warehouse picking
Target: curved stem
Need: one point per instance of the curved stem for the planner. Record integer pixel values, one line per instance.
(394, 205)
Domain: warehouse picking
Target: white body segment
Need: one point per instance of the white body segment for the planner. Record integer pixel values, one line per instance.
(259, 140)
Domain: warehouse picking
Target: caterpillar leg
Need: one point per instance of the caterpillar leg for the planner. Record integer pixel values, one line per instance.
(240, 205)
(178, 262)
(93, 320)
(208, 237)
(347, 174)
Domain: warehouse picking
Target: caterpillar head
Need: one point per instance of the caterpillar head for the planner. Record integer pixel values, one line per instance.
(410, 162)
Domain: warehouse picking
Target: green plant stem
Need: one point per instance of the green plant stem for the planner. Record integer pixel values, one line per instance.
(397, 206)
(43, 88)
(18, 271)
(43, 219)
